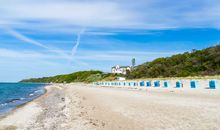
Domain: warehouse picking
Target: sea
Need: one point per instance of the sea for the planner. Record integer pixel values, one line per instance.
(13, 95)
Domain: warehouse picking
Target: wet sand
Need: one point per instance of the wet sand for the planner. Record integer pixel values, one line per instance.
(87, 107)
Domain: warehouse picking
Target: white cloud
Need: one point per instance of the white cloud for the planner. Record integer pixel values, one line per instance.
(16, 65)
(62, 53)
(84, 55)
(25, 39)
(95, 14)
(150, 14)
(8, 53)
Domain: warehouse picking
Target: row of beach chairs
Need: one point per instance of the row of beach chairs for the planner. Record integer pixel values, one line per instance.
(212, 84)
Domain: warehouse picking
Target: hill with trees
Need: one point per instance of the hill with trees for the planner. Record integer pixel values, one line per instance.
(204, 62)
(81, 76)
(196, 63)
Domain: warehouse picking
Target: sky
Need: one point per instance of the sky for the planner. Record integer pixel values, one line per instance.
(41, 38)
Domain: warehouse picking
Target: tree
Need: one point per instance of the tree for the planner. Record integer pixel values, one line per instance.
(197, 63)
(133, 62)
(194, 50)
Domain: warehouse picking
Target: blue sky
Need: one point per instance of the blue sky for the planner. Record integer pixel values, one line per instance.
(49, 37)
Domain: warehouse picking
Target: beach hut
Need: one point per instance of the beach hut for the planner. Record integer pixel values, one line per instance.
(148, 83)
(213, 84)
(179, 84)
(194, 84)
(135, 83)
(157, 83)
(141, 83)
(129, 83)
(166, 84)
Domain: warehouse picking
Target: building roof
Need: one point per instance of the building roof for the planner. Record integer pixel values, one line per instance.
(121, 67)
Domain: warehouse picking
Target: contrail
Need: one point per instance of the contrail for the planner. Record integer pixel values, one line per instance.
(51, 49)
(77, 42)
(36, 43)
(26, 39)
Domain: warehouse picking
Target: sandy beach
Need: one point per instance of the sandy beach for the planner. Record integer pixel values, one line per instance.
(87, 107)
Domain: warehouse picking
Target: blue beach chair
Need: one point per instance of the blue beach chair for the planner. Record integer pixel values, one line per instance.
(129, 84)
(179, 84)
(213, 84)
(148, 83)
(157, 84)
(133, 84)
(141, 84)
(194, 84)
(166, 84)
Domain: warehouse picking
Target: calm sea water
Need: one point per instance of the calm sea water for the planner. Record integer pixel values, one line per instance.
(15, 94)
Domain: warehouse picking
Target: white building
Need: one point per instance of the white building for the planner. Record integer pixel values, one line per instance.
(121, 78)
(120, 69)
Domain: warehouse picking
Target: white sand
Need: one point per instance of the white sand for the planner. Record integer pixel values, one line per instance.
(86, 107)
(20, 119)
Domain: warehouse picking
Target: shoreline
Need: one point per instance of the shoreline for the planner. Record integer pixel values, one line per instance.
(86, 107)
(4, 115)
(27, 113)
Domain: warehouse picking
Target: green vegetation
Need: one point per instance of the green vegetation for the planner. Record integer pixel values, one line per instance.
(197, 63)
(81, 76)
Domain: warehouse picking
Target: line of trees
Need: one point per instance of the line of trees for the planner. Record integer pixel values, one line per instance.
(195, 63)
(81, 76)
